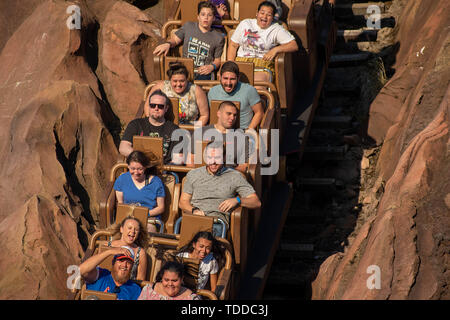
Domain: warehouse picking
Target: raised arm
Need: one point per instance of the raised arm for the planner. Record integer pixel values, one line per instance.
(88, 268)
(202, 104)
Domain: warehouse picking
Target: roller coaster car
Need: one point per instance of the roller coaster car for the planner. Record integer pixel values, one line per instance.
(283, 80)
(269, 121)
(161, 248)
(108, 207)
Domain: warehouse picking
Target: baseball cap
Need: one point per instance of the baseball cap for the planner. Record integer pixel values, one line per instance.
(122, 256)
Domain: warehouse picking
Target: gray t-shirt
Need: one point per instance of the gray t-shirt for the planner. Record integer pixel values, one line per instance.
(202, 47)
(209, 191)
(245, 93)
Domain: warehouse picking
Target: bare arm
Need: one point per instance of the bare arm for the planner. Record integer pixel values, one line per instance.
(165, 47)
(202, 104)
(257, 116)
(208, 68)
(125, 148)
(88, 268)
(232, 50)
(251, 202)
(119, 196)
(291, 46)
(159, 209)
(142, 268)
(213, 281)
(185, 204)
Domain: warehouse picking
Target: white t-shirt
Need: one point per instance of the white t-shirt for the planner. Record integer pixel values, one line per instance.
(256, 42)
(207, 266)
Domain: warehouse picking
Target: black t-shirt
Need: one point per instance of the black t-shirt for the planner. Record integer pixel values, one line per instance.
(143, 127)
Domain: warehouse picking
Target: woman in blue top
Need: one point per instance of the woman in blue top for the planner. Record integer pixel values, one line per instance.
(141, 186)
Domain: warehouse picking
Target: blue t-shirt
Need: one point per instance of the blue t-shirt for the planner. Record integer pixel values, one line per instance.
(105, 283)
(145, 197)
(244, 93)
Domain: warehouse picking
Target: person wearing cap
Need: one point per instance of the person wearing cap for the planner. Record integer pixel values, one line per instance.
(115, 281)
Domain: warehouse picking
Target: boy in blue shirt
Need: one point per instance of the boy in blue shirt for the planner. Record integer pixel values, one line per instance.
(115, 281)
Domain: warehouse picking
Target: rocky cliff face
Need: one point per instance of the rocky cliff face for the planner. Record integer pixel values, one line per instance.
(405, 231)
(64, 95)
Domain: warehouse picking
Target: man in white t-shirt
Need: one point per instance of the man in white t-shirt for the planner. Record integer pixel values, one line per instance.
(260, 40)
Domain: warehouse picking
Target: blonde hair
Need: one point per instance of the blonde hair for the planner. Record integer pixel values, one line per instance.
(142, 238)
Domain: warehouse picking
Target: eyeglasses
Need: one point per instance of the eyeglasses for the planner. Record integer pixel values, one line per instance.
(154, 105)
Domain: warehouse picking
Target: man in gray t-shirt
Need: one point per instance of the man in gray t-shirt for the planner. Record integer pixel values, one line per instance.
(231, 89)
(214, 190)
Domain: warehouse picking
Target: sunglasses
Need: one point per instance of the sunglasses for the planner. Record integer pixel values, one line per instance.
(154, 105)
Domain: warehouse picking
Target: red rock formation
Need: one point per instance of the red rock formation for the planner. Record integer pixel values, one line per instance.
(127, 39)
(62, 95)
(55, 154)
(407, 236)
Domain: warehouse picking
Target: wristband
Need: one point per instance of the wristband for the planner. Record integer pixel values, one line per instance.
(214, 66)
(238, 200)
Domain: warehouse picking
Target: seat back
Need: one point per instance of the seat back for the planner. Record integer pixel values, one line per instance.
(172, 112)
(107, 263)
(214, 107)
(188, 10)
(191, 225)
(188, 62)
(245, 9)
(96, 295)
(125, 210)
(169, 186)
(152, 147)
(246, 72)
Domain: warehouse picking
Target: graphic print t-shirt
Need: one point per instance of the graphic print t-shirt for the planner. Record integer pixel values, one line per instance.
(202, 47)
(255, 42)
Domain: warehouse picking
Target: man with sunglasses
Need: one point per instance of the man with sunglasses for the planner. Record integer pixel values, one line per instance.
(115, 281)
(155, 125)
